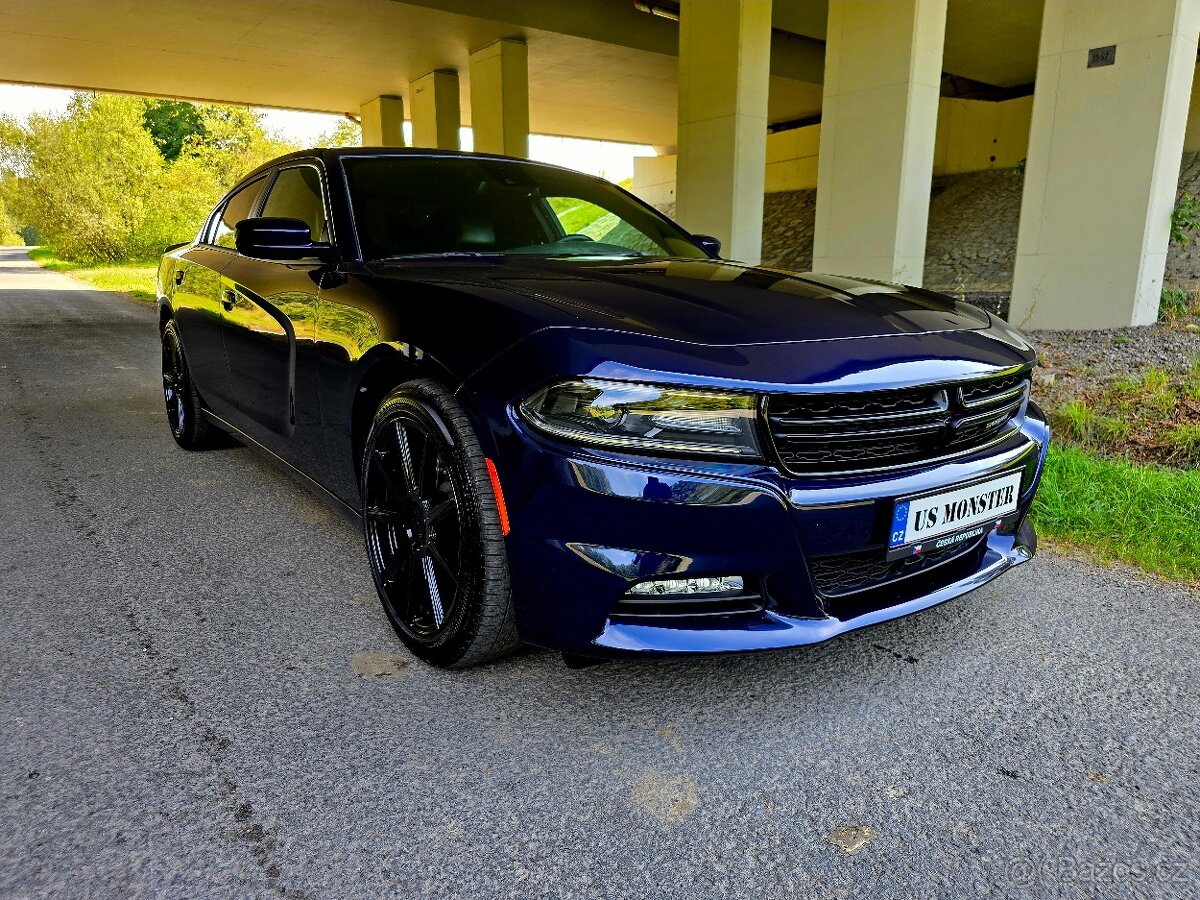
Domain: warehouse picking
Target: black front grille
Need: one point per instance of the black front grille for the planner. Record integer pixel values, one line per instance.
(827, 433)
(849, 573)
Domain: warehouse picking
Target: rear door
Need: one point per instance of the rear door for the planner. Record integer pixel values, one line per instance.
(197, 296)
(270, 322)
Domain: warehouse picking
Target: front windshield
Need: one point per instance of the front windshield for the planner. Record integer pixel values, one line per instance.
(428, 205)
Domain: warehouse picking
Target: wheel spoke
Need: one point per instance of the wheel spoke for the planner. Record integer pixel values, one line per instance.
(386, 515)
(393, 570)
(420, 468)
(378, 459)
(440, 511)
(441, 561)
(406, 461)
(435, 597)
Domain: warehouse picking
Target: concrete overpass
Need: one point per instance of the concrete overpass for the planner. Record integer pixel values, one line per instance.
(705, 81)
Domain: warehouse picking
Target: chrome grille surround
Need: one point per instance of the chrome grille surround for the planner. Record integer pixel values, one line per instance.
(833, 434)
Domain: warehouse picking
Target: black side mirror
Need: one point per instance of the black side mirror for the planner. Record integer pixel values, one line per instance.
(708, 244)
(276, 238)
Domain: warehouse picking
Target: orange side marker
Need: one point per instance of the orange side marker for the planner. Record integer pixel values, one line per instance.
(499, 492)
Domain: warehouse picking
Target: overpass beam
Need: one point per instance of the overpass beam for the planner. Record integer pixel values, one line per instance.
(724, 71)
(883, 69)
(433, 101)
(500, 98)
(383, 122)
(1110, 109)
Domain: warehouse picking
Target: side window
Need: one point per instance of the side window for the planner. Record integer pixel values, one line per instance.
(594, 223)
(238, 207)
(296, 194)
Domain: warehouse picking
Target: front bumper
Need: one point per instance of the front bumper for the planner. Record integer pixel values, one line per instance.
(586, 525)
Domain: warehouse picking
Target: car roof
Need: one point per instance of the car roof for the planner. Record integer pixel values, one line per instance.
(331, 154)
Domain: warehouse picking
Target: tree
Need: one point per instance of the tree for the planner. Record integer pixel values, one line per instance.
(9, 237)
(347, 133)
(171, 124)
(84, 177)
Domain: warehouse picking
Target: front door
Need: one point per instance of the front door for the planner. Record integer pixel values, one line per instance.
(198, 295)
(270, 312)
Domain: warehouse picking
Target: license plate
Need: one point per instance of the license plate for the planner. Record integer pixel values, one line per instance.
(920, 524)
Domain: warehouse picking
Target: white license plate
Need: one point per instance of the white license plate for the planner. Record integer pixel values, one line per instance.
(918, 522)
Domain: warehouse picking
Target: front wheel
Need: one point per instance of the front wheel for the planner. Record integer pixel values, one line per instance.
(433, 530)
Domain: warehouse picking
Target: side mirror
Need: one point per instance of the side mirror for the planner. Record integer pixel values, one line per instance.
(708, 244)
(276, 238)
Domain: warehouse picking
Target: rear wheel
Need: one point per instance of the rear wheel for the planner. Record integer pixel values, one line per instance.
(433, 531)
(188, 426)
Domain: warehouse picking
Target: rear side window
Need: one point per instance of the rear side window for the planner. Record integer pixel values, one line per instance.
(296, 194)
(237, 207)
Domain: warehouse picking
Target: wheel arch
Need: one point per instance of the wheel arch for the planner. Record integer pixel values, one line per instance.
(165, 315)
(381, 370)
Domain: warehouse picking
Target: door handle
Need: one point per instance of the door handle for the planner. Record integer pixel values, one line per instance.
(228, 298)
(179, 273)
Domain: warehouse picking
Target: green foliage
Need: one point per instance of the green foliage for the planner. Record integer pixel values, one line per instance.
(1143, 515)
(1075, 421)
(1174, 303)
(1184, 443)
(98, 183)
(172, 124)
(1191, 381)
(1185, 219)
(346, 133)
(9, 236)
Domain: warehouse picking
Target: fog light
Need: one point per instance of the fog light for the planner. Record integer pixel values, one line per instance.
(677, 586)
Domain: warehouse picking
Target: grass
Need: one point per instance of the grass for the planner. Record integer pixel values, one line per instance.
(136, 279)
(1147, 516)
(1151, 417)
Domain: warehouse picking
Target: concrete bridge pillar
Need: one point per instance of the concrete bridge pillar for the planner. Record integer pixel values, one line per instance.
(433, 102)
(883, 70)
(383, 122)
(1110, 110)
(500, 98)
(724, 70)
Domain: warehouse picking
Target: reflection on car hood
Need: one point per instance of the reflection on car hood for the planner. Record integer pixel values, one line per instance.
(707, 301)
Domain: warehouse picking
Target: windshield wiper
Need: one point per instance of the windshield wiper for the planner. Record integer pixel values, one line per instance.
(455, 254)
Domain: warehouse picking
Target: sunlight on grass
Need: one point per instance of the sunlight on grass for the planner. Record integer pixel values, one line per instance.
(1148, 516)
(136, 279)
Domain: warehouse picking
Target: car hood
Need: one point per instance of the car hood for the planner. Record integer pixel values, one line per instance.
(703, 301)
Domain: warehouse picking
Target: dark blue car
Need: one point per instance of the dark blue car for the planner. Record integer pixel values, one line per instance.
(564, 420)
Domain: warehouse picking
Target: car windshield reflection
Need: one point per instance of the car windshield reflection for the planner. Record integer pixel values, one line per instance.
(411, 207)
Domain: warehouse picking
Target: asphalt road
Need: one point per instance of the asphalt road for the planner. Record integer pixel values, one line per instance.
(201, 698)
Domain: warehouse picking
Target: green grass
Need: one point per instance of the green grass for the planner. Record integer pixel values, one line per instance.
(1147, 516)
(136, 279)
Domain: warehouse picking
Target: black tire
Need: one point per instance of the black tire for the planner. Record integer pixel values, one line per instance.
(188, 425)
(432, 529)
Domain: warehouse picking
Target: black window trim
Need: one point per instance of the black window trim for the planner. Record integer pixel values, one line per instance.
(215, 216)
(273, 176)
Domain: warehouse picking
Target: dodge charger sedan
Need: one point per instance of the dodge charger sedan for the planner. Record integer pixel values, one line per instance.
(562, 419)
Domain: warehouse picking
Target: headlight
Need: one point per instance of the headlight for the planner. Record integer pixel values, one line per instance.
(645, 417)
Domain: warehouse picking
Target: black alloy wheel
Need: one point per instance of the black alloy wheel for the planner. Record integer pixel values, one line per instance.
(432, 530)
(188, 426)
